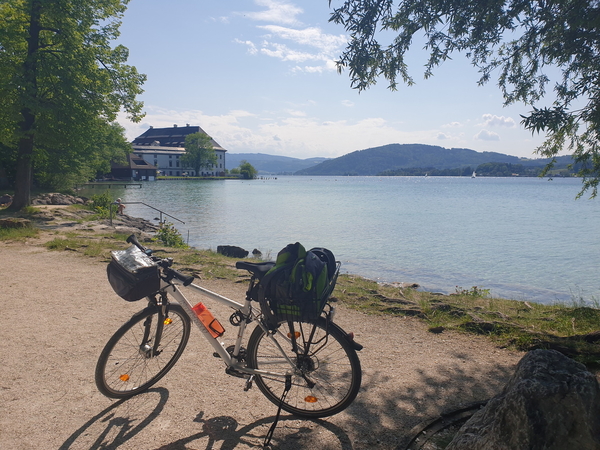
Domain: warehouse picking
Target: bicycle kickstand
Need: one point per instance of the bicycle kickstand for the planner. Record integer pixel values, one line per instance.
(249, 383)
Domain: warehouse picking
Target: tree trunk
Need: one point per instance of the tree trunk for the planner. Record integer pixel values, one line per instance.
(23, 179)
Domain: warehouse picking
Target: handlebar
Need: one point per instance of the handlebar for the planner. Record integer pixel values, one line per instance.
(165, 263)
(134, 240)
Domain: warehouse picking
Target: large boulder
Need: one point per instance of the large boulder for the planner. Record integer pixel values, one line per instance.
(232, 251)
(550, 403)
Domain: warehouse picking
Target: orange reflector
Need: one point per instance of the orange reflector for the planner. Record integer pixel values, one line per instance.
(310, 399)
(124, 377)
(296, 333)
(168, 321)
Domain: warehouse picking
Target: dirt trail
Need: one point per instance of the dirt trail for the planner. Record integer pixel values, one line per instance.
(60, 311)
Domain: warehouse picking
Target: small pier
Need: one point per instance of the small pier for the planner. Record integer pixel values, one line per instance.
(108, 185)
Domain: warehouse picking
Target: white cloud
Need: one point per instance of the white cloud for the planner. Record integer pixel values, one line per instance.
(281, 51)
(312, 37)
(443, 136)
(309, 69)
(300, 47)
(296, 113)
(276, 12)
(500, 121)
(241, 113)
(251, 47)
(452, 125)
(297, 45)
(485, 135)
(347, 103)
(289, 132)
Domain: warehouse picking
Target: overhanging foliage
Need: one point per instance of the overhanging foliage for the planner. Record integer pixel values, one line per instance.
(516, 39)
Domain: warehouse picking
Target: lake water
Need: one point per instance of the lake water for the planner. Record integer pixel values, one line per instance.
(522, 238)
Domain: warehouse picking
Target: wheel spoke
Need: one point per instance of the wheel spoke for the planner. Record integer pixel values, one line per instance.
(326, 371)
(127, 365)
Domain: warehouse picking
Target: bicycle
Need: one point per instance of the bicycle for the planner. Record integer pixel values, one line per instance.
(309, 368)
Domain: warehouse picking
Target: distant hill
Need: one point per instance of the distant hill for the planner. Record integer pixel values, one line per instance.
(271, 164)
(391, 157)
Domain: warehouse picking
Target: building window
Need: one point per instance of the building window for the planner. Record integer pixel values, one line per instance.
(170, 163)
(170, 156)
(177, 163)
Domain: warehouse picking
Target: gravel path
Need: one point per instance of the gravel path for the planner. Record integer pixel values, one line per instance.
(59, 311)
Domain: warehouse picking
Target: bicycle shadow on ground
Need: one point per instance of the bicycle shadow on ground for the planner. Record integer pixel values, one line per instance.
(383, 416)
(118, 423)
(114, 426)
(387, 409)
(292, 433)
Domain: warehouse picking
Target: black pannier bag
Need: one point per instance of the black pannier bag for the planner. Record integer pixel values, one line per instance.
(298, 286)
(132, 274)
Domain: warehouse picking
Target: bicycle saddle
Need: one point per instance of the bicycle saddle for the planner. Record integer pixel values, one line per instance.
(256, 269)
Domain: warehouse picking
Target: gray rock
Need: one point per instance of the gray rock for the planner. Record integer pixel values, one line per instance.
(11, 222)
(232, 251)
(5, 200)
(136, 223)
(57, 199)
(550, 403)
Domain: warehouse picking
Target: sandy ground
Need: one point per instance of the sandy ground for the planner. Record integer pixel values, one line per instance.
(59, 311)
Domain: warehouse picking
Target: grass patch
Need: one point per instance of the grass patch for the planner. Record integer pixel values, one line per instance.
(98, 246)
(572, 330)
(18, 234)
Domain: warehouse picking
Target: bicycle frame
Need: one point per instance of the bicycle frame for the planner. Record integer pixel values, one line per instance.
(246, 310)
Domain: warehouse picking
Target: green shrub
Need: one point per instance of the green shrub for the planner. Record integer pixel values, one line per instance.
(100, 203)
(473, 292)
(169, 236)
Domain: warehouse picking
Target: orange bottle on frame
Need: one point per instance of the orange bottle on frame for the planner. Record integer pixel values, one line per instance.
(208, 320)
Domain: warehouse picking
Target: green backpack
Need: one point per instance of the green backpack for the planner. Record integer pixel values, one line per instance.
(298, 285)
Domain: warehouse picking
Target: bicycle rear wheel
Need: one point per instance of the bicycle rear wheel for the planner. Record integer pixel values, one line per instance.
(142, 351)
(326, 369)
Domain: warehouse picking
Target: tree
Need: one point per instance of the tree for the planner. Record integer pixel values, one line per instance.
(199, 152)
(61, 88)
(247, 170)
(519, 39)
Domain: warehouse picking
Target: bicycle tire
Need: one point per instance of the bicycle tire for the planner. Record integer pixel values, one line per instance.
(129, 364)
(332, 364)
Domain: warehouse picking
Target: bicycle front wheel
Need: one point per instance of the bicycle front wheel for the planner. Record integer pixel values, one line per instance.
(142, 351)
(325, 368)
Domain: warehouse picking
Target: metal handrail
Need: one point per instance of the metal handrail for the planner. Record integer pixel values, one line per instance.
(145, 204)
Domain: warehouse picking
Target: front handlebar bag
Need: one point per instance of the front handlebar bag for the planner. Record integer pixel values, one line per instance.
(132, 274)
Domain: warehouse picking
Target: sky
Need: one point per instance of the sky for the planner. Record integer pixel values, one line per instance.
(259, 76)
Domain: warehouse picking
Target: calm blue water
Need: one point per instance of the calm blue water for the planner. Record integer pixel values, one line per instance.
(523, 238)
